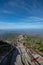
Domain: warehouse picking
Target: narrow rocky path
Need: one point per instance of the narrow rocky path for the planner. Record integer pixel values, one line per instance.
(16, 58)
(24, 56)
(20, 56)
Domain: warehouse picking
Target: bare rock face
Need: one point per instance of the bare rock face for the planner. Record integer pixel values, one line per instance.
(6, 51)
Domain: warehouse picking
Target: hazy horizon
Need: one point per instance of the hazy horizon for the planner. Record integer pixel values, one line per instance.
(22, 31)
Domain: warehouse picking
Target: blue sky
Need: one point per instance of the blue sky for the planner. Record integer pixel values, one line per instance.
(20, 14)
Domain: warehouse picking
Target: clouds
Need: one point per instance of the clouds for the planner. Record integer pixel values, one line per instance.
(33, 19)
(31, 22)
(21, 13)
(6, 25)
(32, 7)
